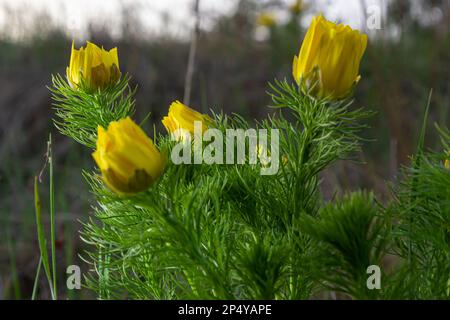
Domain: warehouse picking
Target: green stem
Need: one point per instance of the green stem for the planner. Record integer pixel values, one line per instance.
(41, 235)
(52, 217)
(36, 279)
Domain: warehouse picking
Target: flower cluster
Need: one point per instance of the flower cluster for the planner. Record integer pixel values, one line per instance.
(223, 229)
(128, 159)
(326, 67)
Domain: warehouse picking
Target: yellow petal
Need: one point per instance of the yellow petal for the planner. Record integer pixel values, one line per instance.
(98, 67)
(181, 116)
(335, 52)
(127, 157)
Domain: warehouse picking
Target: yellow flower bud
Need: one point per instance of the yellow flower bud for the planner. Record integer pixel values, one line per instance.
(329, 59)
(127, 157)
(266, 19)
(97, 67)
(181, 116)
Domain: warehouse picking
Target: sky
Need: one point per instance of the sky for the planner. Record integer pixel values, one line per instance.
(153, 15)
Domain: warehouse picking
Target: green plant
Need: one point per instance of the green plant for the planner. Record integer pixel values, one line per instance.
(351, 235)
(50, 270)
(421, 211)
(213, 231)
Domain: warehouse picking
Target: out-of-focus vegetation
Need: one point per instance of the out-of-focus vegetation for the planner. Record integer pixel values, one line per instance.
(235, 59)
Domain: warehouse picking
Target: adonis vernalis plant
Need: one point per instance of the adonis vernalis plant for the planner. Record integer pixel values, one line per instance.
(93, 94)
(225, 231)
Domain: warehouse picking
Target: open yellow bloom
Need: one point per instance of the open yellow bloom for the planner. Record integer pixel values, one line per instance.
(181, 116)
(329, 59)
(127, 157)
(96, 66)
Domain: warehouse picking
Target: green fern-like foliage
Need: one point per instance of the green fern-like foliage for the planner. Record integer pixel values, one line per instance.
(224, 231)
(351, 236)
(80, 111)
(422, 231)
(211, 231)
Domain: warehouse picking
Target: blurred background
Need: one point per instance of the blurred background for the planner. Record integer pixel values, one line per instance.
(238, 46)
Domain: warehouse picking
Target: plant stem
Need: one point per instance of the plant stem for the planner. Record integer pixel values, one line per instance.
(41, 236)
(36, 279)
(52, 217)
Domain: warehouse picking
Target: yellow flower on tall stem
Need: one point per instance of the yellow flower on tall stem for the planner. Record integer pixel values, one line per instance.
(95, 67)
(328, 63)
(127, 157)
(182, 117)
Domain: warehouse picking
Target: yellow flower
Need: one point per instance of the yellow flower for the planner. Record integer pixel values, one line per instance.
(329, 59)
(127, 157)
(183, 117)
(97, 67)
(266, 19)
(298, 7)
